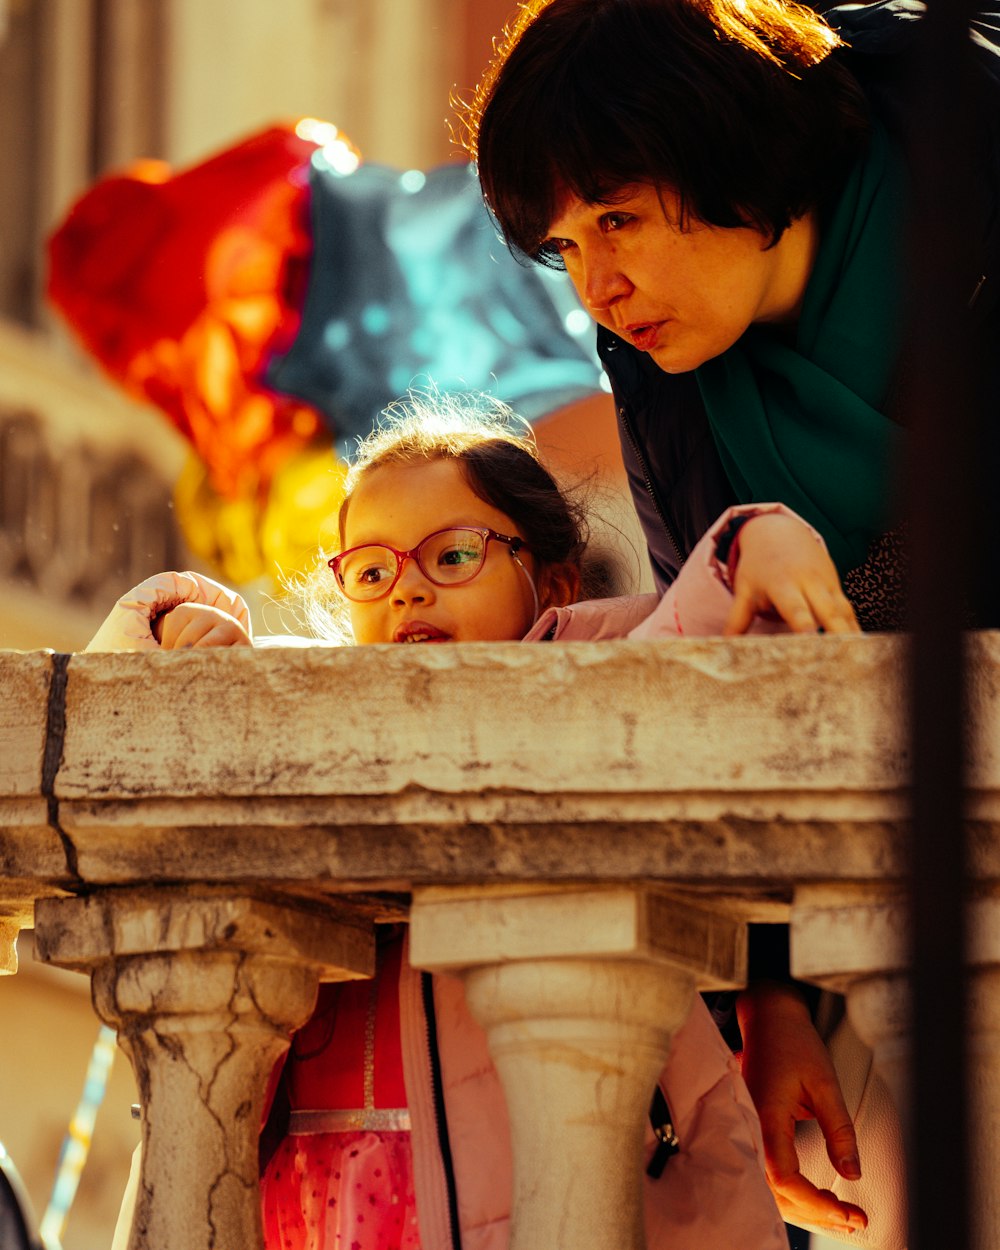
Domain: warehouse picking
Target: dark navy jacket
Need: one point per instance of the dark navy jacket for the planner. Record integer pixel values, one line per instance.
(678, 483)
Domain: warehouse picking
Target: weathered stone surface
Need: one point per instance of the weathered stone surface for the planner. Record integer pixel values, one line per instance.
(353, 843)
(842, 931)
(203, 1031)
(32, 855)
(580, 991)
(687, 761)
(586, 1039)
(983, 717)
(84, 932)
(24, 686)
(461, 928)
(30, 848)
(9, 929)
(204, 987)
(733, 772)
(749, 715)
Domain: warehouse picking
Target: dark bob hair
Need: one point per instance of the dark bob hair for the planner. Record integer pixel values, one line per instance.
(738, 106)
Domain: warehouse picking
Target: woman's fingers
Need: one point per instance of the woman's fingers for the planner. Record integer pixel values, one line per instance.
(803, 1203)
(817, 606)
(783, 569)
(832, 609)
(807, 607)
(741, 615)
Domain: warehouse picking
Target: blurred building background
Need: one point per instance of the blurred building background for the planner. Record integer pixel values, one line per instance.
(87, 86)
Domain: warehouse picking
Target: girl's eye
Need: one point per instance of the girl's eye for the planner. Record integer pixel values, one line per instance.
(371, 575)
(456, 557)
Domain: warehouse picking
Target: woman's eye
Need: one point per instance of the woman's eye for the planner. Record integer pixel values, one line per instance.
(610, 222)
(558, 246)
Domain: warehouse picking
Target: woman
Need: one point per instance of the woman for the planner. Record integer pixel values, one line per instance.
(725, 186)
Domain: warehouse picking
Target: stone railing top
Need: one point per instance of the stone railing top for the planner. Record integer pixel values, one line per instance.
(753, 762)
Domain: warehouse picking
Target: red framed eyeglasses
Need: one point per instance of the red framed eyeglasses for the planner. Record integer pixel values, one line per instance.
(449, 557)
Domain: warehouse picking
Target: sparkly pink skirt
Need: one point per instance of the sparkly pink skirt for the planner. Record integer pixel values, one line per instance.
(340, 1191)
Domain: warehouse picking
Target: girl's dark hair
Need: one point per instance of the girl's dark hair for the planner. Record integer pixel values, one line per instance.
(496, 453)
(735, 105)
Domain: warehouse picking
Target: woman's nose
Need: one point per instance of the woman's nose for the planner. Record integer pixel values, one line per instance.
(604, 283)
(412, 585)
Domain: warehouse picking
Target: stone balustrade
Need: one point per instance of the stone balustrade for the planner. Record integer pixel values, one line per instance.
(581, 831)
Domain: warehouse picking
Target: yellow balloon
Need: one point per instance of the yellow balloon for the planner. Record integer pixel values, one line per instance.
(242, 540)
(300, 517)
(224, 533)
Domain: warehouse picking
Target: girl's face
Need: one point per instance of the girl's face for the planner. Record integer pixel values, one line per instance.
(399, 505)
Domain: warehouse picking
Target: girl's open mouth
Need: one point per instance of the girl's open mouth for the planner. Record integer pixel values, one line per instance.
(419, 631)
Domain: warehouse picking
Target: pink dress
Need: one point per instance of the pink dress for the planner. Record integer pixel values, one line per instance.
(342, 1176)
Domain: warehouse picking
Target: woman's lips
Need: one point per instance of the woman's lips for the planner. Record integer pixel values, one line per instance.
(419, 631)
(644, 336)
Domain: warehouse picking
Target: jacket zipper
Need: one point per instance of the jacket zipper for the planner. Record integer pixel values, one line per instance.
(667, 1142)
(440, 1116)
(623, 418)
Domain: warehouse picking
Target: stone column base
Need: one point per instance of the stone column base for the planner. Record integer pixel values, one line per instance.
(204, 989)
(580, 992)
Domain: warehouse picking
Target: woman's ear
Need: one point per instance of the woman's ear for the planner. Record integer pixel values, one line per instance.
(558, 585)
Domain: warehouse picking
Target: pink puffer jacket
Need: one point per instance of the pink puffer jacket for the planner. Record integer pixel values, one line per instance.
(695, 606)
(712, 1195)
(129, 625)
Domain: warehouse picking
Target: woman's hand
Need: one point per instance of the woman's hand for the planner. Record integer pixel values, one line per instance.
(198, 625)
(791, 1077)
(782, 569)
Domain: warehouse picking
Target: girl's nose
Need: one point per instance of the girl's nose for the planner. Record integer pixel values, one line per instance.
(412, 586)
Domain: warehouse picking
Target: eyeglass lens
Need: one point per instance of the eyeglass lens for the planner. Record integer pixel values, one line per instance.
(448, 558)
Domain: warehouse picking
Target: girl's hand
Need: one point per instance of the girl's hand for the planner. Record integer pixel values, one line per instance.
(128, 626)
(783, 569)
(197, 625)
(790, 1076)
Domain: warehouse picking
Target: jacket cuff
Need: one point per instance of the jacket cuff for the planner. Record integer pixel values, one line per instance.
(724, 536)
(128, 627)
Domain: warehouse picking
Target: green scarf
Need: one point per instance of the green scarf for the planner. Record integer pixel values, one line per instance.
(803, 423)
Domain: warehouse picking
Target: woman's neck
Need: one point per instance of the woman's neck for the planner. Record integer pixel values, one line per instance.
(797, 250)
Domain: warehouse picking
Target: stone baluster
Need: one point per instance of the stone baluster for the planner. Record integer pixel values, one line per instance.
(9, 930)
(853, 938)
(13, 918)
(580, 991)
(204, 988)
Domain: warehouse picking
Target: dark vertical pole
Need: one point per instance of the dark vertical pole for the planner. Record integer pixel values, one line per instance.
(941, 410)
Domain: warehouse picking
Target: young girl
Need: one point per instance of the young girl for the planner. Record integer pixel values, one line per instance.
(387, 1127)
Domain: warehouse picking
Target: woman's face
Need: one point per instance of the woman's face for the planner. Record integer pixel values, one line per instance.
(400, 505)
(683, 295)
